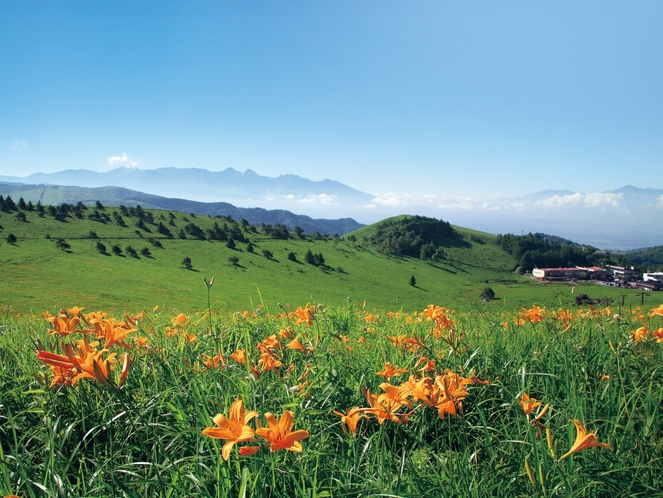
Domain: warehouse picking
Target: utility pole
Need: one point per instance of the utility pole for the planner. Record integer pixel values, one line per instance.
(642, 297)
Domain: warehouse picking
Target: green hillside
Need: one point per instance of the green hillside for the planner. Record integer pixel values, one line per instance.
(56, 262)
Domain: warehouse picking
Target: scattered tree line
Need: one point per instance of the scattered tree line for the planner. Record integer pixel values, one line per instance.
(545, 251)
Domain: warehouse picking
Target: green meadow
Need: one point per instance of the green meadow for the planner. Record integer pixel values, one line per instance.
(326, 402)
(39, 274)
(310, 366)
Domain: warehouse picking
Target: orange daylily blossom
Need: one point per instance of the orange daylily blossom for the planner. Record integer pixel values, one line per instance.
(249, 450)
(270, 342)
(658, 334)
(269, 362)
(84, 362)
(397, 394)
(181, 320)
(350, 421)
(287, 333)
(279, 432)
(295, 344)
(239, 356)
(95, 315)
(640, 334)
(304, 315)
(528, 404)
(657, 311)
(584, 440)
(397, 340)
(452, 386)
(234, 429)
(94, 367)
(214, 362)
(112, 331)
(533, 315)
(423, 390)
(64, 325)
(391, 371)
(428, 365)
(75, 311)
(382, 406)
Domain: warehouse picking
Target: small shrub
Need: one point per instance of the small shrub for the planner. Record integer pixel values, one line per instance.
(487, 294)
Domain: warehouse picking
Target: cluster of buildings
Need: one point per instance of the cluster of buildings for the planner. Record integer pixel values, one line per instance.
(616, 275)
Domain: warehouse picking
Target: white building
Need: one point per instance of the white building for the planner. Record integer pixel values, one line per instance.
(652, 277)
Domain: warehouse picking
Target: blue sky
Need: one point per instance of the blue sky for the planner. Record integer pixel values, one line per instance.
(468, 99)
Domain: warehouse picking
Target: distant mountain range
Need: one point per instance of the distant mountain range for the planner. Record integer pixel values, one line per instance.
(203, 185)
(115, 196)
(626, 218)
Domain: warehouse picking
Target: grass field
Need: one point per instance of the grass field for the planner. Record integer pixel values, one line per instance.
(184, 387)
(334, 402)
(37, 275)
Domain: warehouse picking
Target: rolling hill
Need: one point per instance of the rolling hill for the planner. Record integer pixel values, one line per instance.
(127, 259)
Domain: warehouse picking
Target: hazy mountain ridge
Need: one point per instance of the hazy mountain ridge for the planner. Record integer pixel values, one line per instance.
(114, 196)
(207, 185)
(622, 219)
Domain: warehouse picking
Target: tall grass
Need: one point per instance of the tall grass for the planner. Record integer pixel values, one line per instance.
(145, 439)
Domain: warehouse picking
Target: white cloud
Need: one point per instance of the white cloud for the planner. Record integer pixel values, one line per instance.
(18, 145)
(318, 199)
(125, 159)
(596, 200)
(432, 201)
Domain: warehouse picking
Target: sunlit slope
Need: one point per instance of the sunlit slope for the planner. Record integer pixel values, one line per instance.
(39, 273)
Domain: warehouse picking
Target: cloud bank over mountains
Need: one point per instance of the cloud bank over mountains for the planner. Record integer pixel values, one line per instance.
(626, 218)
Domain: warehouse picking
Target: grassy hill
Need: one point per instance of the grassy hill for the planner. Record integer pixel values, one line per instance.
(40, 272)
(116, 196)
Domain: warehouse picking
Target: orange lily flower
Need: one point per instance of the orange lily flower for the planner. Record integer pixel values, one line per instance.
(658, 334)
(382, 406)
(528, 404)
(63, 325)
(181, 320)
(304, 315)
(269, 362)
(75, 311)
(657, 311)
(234, 429)
(279, 432)
(295, 344)
(584, 440)
(391, 371)
(239, 356)
(287, 333)
(112, 331)
(351, 420)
